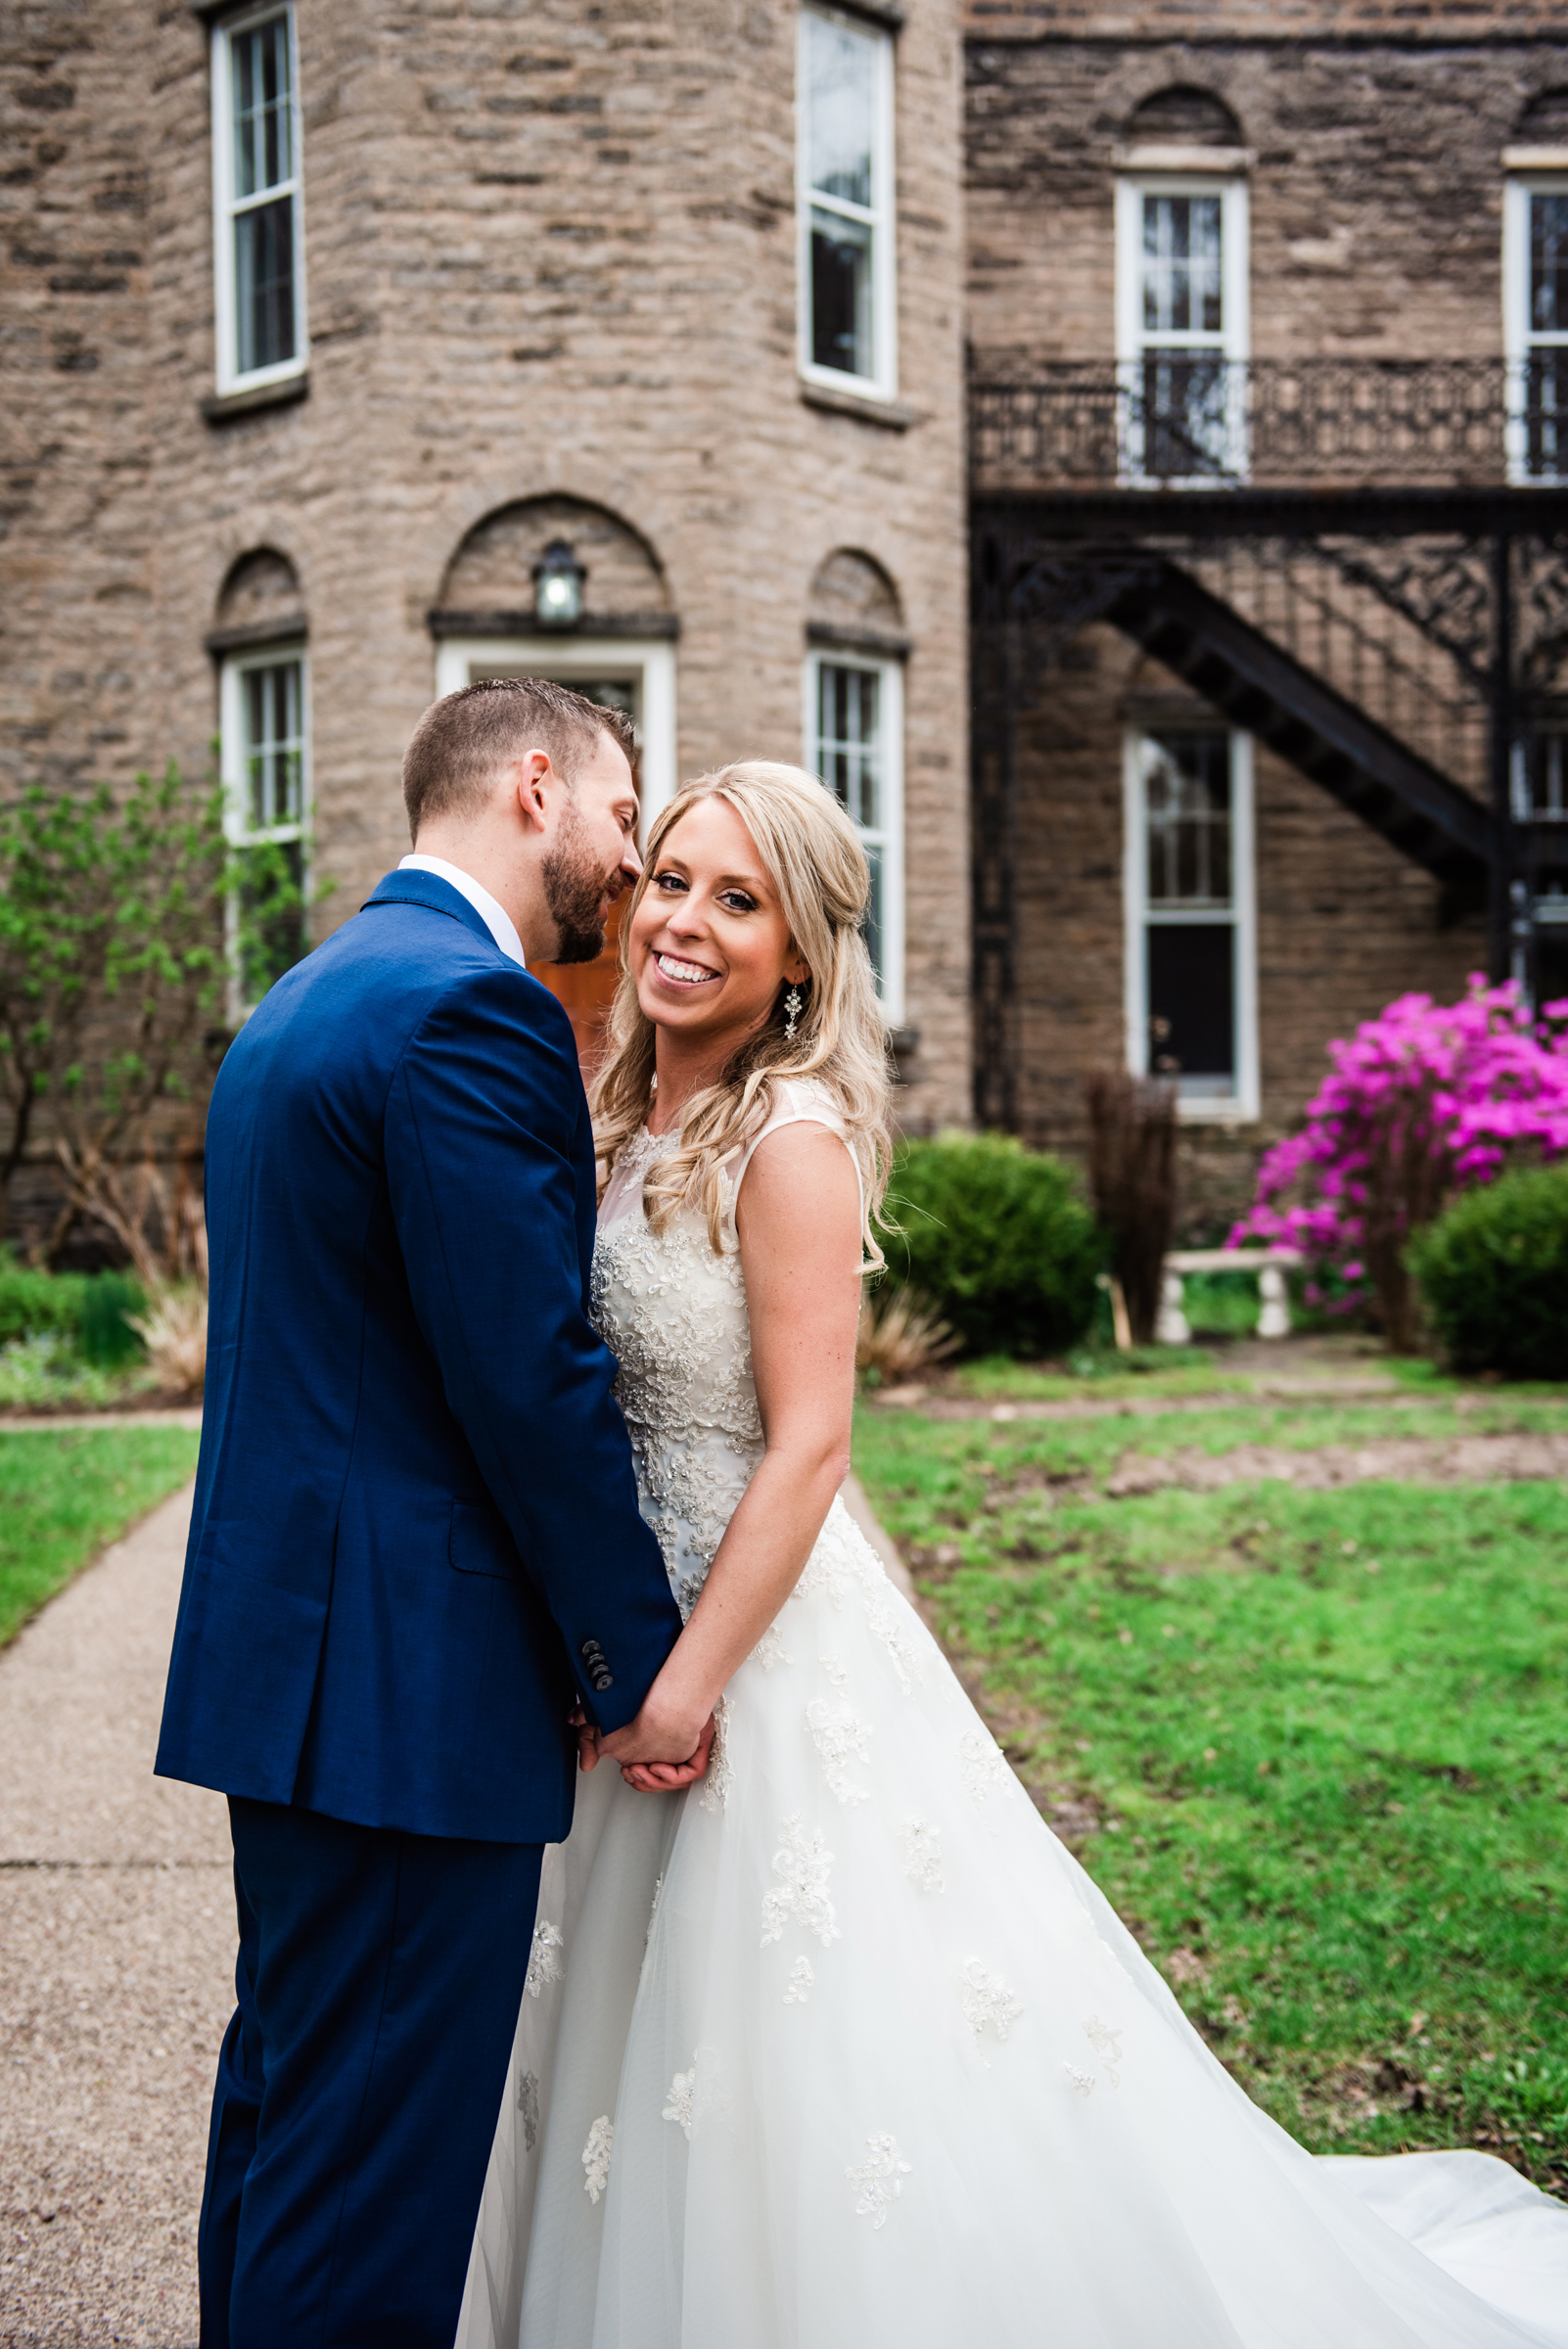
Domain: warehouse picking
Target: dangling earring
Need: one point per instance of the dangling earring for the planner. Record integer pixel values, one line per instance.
(792, 1013)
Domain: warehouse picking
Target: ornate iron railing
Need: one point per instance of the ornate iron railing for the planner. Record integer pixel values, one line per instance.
(1178, 421)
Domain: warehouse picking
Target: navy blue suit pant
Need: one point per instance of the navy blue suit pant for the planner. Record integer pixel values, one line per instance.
(379, 1982)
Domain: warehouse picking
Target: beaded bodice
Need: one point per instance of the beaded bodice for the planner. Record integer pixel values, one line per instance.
(674, 1314)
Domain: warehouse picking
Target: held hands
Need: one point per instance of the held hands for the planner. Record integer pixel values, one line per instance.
(659, 1753)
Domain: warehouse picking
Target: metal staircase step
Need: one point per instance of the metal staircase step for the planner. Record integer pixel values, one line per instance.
(1254, 683)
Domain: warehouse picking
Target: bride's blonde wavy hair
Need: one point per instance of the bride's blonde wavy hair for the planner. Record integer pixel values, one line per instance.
(815, 860)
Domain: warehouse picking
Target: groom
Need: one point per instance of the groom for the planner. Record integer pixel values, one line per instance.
(416, 1547)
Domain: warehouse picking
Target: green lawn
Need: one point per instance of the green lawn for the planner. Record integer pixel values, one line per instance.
(67, 1491)
(1051, 1448)
(1315, 1745)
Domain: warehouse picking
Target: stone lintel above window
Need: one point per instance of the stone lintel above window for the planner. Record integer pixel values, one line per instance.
(885, 644)
(886, 15)
(222, 407)
(893, 415)
(1217, 162)
(647, 627)
(288, 631)
(1536, 159)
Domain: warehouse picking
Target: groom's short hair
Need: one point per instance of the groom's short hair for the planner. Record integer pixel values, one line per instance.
(463, 740)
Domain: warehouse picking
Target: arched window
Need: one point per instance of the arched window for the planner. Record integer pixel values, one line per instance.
(1182, 290)
(561, 587)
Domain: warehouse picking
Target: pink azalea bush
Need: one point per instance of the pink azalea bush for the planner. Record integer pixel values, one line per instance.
(1425, 1100)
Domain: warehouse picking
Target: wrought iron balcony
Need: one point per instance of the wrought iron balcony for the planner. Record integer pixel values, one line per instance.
(1176, 420)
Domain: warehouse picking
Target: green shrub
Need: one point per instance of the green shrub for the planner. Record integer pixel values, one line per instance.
(106, 1335)
(87, 1312)
(1493, 1273)
(33, 1303)
(997, 1240)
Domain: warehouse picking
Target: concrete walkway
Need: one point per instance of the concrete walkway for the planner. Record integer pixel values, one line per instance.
(116, 1958)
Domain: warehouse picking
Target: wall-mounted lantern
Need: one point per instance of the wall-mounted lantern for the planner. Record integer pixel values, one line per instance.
(558, 578)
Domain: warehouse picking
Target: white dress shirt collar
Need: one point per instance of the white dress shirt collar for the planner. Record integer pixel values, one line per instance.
(496, 917)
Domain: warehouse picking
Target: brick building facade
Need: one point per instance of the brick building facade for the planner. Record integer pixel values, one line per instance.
(335, 331)
(1263, 309)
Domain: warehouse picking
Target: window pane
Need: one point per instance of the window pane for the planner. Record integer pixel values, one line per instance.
(1186, 417)
(840, 110)
(1187, 811)
(1547, 409)
(1192, 1007)
(274, 746)
(263, 128)
(263, 282)
(840, 294)
(1182, 278)
(848, 748)
(1548, 264)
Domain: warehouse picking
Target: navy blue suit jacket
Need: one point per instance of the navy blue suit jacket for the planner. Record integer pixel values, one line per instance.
(416, 1532)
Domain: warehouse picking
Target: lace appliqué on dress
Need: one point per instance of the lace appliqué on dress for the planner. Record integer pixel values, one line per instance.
(544, 1959)
(801, 1983)
(714, 1795)
(528, 2104)
(682, 2105)
(770, 1650)
(1107, 2045)
(1083, 2083)
(982, 1763)
(922, 1855)
(839, 1736)
(986, 2000)
(880, 2179)
(596, 2155)
(800, 1895)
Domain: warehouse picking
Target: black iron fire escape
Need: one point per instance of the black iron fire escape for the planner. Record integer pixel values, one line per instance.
(1364, 564)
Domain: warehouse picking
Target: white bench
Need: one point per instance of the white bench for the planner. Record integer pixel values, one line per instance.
(1271, 1266)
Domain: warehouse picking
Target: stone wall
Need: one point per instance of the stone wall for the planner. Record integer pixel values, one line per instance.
(1376, 186)
(1375, 179)
(551, 253)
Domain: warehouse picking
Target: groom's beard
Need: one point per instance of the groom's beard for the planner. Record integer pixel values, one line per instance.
(574, 890)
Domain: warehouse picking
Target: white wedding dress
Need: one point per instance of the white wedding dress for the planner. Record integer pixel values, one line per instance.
(841, 2050)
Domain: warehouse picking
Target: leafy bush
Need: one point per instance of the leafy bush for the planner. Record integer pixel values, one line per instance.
(997, 1240)
(34, 1304)
(86, 1313)
(1493, 1273)
(107, 1335)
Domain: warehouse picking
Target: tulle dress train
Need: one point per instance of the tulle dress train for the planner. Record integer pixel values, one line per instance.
(841, 2050)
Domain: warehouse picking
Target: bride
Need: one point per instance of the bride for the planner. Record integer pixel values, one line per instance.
(841, 2049)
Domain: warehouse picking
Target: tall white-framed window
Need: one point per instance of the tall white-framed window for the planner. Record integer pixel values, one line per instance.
(854, 740)
(844, 195)
(258, 209)
(1190, 918)
(1182, 328)
(1534, 324)
(264, 753)
(628, 673)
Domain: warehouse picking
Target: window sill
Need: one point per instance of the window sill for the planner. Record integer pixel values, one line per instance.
(1216, 1113)
(220, 406)
(891, 414)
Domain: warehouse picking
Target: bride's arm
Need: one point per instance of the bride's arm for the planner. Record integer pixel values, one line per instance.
(799, 1219)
